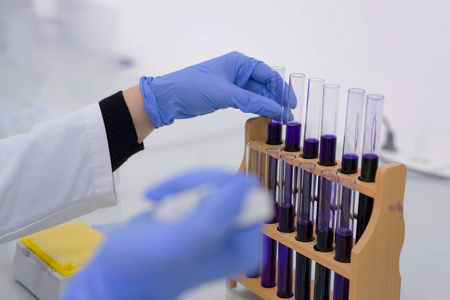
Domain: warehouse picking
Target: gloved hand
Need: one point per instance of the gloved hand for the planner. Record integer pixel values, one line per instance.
(231, 80)
(151, 260)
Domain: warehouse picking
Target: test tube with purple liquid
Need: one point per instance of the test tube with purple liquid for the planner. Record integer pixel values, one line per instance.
(371, 150)
(305, 228)
(344, 234)
(312, 119)
(325, 231)
(327, 154)
(286, 224)
(294, 113)
(253, 168)
(276, 92)
(355, 106)
(269, 247)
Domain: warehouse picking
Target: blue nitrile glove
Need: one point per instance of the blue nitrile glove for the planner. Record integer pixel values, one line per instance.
(231, 80)
(160, 260)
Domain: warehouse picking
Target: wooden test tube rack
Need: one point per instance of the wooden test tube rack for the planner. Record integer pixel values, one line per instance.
(374, 271)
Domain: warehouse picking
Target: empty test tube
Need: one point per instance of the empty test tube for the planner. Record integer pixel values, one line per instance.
(312, 119)
(276, 92)
(253, 168)
(286, 224)
(371, 150)
(328, 139)
(304, 230)
(353, 121)
(269, 248)
(294, 114)
(325, 231)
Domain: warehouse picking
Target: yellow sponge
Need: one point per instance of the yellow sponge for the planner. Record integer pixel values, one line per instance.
(65, 248)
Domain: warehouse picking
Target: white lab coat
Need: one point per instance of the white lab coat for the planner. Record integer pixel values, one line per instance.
(58, 171)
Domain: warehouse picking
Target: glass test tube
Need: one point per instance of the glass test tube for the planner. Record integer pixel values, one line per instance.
(294, 114)
(344, 234)
(253, 168)
(269, 248)
(286, 224)
(312, 119)
(304, 230)
(355, 106)
(328, 139)
(371, 150)
(325, 231)
(276, 92)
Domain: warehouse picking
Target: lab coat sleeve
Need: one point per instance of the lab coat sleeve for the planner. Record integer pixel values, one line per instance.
(60, 170)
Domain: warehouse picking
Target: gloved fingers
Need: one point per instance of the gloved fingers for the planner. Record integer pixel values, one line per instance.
(241, 252)
(257, 88)
(261, 73)
(249, 102)
(291, 96)
(188, 180)
(216, 214)
(287, 116)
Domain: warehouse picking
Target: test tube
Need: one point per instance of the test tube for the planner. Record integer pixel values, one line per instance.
(312, 119)
(371, 150)
(287, 176)
(344, 234)
(325, 231)
(294, 114)
(304, 230)
(269, 248)
(286, 224)
(276, 92)
(355, 106)
(253, 168)
(327, 154)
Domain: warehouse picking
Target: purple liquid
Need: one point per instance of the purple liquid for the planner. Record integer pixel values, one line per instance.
(365, 207)
(305, 230)
(302, 277)
(327, 155)
(349, 163)
(284, 271)
(269, 259)
(274, 133)
(310, 148)
(322, 283)
(341, 287)
(324, 240)
(369, 167)
(293, 130)
(344, 245)
(286, 218)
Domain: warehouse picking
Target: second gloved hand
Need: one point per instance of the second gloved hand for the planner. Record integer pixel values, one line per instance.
(160, 260)
(232, 80)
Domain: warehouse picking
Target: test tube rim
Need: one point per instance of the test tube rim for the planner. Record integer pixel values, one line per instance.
(357, 90)
(375, 97)
(347, 182)
(316, 79)
(274, 68)
(331, 86)
(274, 152)
(331, 175)
(255, 145)
(297, 75)
(288, 157)
(309, 169)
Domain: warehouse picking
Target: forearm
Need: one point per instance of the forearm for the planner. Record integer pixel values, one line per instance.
(135, 102)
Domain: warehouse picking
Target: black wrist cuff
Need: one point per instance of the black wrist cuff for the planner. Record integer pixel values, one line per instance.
(120, 131)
